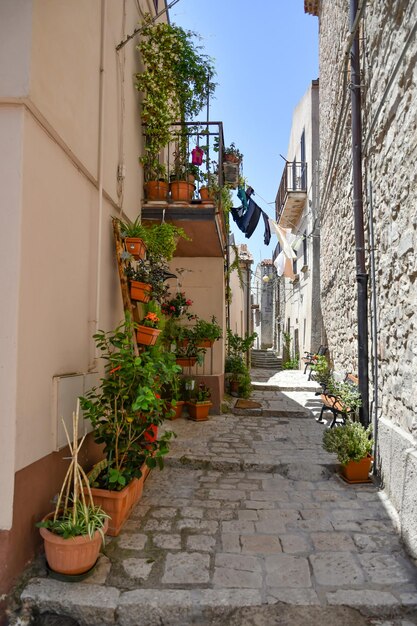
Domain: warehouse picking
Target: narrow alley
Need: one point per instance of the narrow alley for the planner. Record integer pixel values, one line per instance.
(249, 524)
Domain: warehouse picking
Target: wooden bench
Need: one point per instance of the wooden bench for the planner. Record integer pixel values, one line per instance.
(332, 403)
(311, 358)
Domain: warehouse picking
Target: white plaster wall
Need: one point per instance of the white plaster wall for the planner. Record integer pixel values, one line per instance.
(302, 297)
(64, 83)
(56, 299)
(200, 281)
(15, 47)
(11, 139)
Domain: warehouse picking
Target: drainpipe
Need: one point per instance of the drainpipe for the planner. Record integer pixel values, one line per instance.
(100, 170)
(374, 329)
(361, 275)
(248, 310)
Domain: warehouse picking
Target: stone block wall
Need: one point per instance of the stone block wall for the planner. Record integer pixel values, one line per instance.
(389, 78)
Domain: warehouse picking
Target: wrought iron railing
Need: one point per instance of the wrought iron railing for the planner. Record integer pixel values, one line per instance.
(294, 179)
(194, 154)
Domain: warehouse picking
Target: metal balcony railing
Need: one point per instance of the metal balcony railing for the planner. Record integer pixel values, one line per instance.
(179, 156)
(294, 180)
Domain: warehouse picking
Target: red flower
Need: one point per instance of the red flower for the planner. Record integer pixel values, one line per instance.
(188, 302)
(115, 369)
(157, 396)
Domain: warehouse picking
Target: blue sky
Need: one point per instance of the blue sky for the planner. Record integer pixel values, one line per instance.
(266, 54)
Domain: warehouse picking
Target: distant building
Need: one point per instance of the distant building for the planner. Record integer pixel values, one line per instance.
(263, 304)
(240, 290)
(299, 313)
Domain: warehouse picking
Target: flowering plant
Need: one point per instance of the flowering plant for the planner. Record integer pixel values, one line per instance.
(202, 393)
(177, 306)
(151, 320)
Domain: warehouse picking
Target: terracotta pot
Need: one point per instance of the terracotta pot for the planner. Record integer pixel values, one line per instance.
(234, 387)
(156, 190)
(135, 247)
(206, 195)
(72, 556)
(181, 191)
(186, 361)
(199, 410)
(178, 409)
(357, 471)
(141, 292)
(205, 343)
(119, 504)
(231, 158)
(147, 336)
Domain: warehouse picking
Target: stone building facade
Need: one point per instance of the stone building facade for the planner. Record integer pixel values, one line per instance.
(388, 42)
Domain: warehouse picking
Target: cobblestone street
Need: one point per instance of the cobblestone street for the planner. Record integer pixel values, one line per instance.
(248, 524)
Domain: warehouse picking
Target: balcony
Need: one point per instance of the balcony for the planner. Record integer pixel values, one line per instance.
(292, 194)
(194, 156)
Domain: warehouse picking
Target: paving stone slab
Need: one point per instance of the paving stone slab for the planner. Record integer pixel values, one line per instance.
(90, 604)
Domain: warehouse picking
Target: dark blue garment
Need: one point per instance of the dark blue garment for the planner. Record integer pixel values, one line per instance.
(267, 231)
(253, 220)
(238, 214)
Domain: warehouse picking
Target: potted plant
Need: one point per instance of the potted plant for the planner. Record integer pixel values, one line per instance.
(236, 369)
(140, 280)
(352, 443)
(206, 333)
(148, 329)
(199, 406)
(74, 532)
(131, 233)
(172, 392)
(187, 351)
(121, 410)
(231, 154)
(177, 306)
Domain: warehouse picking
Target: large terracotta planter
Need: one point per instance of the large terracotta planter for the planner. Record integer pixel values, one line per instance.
(119, 504)
(135, 247)
(186, 361)
(156, 190)
(147, 336)
(72, 556)
(199, 410)
(357, 471)
(141, 292)
(181, 191)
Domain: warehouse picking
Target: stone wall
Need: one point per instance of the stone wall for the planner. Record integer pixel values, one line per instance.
(389, 78)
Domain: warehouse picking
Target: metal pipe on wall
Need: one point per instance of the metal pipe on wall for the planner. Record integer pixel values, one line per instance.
(361, 275)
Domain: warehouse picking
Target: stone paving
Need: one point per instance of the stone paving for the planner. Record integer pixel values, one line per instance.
(249, 512)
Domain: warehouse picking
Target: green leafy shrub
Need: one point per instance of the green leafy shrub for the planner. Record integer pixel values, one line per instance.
(351, 442)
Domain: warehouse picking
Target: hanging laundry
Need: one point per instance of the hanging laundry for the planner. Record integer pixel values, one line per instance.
(267, 231)
(284, 266)
(241, 194)
(285, 238)
(254, 218)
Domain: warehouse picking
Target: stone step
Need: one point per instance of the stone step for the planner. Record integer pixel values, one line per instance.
(94, 604)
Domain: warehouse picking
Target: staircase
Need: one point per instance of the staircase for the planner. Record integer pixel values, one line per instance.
(266, 359)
